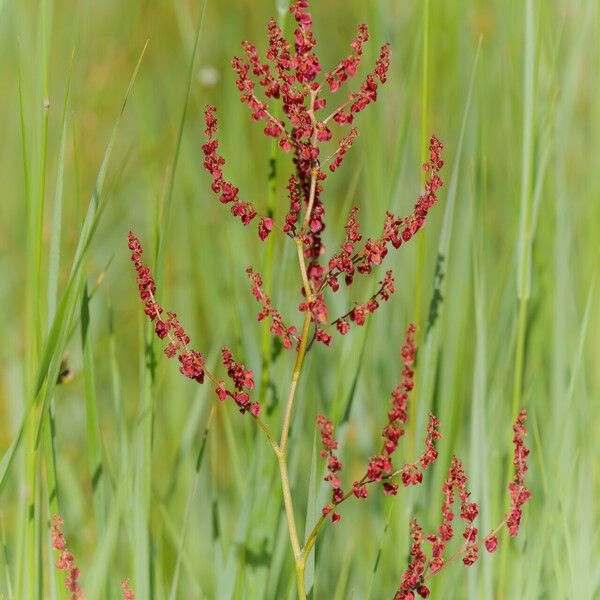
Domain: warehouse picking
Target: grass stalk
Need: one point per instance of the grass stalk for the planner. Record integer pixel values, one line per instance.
(421, 241)
(525, 242)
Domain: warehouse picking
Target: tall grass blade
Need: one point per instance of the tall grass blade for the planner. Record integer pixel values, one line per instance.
(429, 362)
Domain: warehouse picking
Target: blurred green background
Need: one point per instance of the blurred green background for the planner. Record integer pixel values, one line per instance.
(188, 505)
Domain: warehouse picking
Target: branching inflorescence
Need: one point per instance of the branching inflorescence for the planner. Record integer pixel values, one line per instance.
(292, 77)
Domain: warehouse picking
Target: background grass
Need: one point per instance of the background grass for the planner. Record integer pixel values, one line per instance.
(157, 483)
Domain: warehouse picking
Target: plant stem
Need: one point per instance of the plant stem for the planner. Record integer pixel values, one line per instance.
(300, 566)
(421, 242)
(295, 376)
(289, 506)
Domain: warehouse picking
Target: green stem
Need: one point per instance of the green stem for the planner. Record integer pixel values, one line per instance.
(421, 242)
(525, 241)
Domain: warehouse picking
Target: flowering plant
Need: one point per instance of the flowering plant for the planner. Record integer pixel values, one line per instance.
(292, 75)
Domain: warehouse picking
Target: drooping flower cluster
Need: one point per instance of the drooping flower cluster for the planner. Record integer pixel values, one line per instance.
(213, 163)
(334, 465)
(65, 561)
(278, 328)
(243, 379)
(519, 493)
(192, 362)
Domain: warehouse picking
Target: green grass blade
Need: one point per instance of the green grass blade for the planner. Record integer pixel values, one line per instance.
(55, 343)
(96, 462)
(168, 209)
(55, 238)
(431, 338)
(312, 514)
(189, 505)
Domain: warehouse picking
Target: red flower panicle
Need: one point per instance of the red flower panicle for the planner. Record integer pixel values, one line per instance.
(344, 145)
(192, 362)
(416, 220)
(519, 493)
(127, 593)
(65, 561)
(419, 568)
(381, 465)
(289, 75)
(228, 193)
(277, 328)
(359, 313)
(412, 578)
(343, 262)
(348, 66)
(333, 464)
(368, 90)
(243, 379)
(456, 482)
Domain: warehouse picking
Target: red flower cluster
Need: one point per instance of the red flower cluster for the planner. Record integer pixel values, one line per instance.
(368, 90)
(242, 378)
(65, 561)
(455, 482)
(519, 493)
(345, 144)
(430, 453)
(127, 593)
(410, 473)
(295, 206)
(412, 578)
(359, 313)
(348, 66)
(192, 362)
(213, 163)
(289, 75)
(420, 568)
(342, 262)
(277, 326)
(381, 465)
(333, 464)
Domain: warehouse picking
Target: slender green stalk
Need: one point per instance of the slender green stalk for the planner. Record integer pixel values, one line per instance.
(421, 241)
(96, 463)
(525, 239)
(168, 212)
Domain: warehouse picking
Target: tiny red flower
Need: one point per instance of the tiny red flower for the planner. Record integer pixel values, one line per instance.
(491, 543)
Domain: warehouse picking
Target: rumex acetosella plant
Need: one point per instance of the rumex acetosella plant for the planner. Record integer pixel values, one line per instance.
(293, 77)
